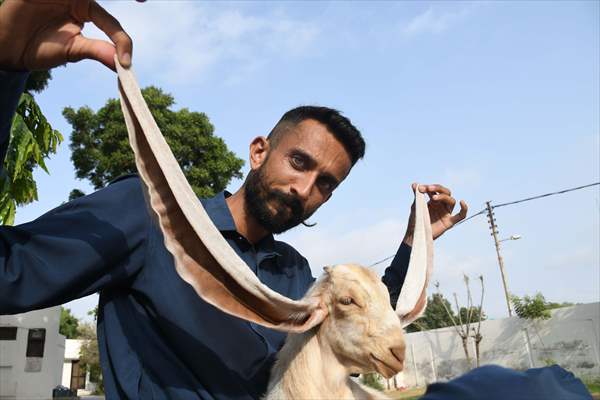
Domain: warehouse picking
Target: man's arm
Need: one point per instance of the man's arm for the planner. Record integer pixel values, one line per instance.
(94, 242)
(395, 274)
(440, 206)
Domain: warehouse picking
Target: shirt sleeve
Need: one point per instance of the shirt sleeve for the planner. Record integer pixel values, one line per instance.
(493, 382)
(12, 85)
(88, 244)
(395, 274)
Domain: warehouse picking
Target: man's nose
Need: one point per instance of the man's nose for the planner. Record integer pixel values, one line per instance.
(302, 188)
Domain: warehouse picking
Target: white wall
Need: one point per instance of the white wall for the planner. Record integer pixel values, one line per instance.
(15, 382)
(570, 338)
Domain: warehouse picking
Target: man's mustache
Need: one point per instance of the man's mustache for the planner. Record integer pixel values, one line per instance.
(290, 200)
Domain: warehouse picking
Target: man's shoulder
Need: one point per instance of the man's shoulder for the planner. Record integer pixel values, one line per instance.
(127, 180)
(287, 251)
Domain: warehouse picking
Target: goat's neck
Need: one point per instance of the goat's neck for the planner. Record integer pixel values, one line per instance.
(307, 368)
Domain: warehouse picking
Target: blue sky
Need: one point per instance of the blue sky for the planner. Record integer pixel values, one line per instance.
(499, 101)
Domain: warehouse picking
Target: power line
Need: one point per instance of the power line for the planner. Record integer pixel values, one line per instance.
(508, 204)
(545, 195)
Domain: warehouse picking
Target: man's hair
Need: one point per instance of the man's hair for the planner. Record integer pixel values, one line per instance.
(334, 121)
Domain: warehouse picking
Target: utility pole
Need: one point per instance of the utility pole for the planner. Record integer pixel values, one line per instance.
(494, 229)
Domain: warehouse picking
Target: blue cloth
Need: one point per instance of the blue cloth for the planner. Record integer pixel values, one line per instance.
(157, 338)
(492, 382)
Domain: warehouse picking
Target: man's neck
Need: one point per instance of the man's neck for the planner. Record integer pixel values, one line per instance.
(245, 224)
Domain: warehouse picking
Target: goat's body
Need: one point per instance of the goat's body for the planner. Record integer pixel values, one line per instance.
(306, 368)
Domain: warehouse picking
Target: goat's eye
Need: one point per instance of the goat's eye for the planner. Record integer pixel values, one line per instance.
(346, 301)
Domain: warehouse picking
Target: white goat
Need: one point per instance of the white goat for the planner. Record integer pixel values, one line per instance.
(345, 324)
(361, 334)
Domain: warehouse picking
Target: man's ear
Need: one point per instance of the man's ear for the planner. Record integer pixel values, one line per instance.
(259, 148)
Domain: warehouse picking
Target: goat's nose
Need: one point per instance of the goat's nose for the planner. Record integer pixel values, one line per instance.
(399, 353)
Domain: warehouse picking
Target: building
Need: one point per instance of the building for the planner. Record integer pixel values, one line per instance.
(73, 376)
(31, 354)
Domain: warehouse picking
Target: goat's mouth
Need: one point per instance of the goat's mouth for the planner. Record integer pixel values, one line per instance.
(385, 368)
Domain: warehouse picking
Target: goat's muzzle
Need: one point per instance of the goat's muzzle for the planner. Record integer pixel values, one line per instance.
(390, 363)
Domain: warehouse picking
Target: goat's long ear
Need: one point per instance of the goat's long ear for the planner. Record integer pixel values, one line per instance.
(202, 256)
(413, 297)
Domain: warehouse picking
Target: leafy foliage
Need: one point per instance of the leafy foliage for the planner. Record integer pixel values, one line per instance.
(101, 152)
(89, 355)
(474, 314)
(435, 315)
(372, 380)
(75, 194)
(532, 308)
(37, 81)
(32, 140)
(69, 324)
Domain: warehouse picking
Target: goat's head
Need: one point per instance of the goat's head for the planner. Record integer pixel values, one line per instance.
(206, 261)
(362, 329)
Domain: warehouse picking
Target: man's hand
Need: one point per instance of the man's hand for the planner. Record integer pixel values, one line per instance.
(441, 204)
(41, 34)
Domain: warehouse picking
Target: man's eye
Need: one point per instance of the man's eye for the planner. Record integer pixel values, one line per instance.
(326, 186)
(297, 162)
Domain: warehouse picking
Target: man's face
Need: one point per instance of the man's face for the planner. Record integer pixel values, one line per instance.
(291, 180)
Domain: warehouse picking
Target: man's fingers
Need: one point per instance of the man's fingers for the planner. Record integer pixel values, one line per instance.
(462, 214)
(94, 49)
(437, 188)
(113, 29)
(448, 201)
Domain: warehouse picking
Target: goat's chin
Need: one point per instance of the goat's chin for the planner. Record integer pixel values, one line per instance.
(387, 368)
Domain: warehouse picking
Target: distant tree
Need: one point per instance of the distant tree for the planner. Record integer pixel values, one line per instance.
(467, 316)
(101, 152)
(435, 315)
(531, 307)
(69, 324)
(94, 313)
(75, 194)
(552, 306)
(372, 380)
(89, 355)
(474, 311)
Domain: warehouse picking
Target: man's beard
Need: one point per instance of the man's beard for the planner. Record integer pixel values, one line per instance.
(288, 210)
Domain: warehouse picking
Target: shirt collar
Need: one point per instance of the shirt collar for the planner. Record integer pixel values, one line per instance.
(218, 211)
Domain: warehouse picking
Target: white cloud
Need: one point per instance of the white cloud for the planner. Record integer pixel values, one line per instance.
(363, 244)
(191, 41)
(433, 21)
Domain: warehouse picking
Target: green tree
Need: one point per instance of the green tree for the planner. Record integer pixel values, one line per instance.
(435, 315)
(552, 305)
(372, 380)
(32, 140)
(531, 307)
(473, 311)
(69, 324)
(535, 307)
(89, 355)
(75, 194)
(101, 152)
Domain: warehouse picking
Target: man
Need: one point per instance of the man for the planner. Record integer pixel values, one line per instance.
(157, 338)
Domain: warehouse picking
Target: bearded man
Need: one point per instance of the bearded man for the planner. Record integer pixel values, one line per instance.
(157, 338)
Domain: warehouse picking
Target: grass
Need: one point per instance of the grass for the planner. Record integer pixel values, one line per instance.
(593, 385)
(414, 394)
(410, 394)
